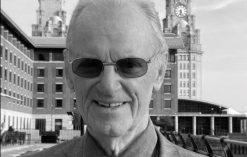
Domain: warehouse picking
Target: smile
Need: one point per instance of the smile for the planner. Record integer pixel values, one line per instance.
(110, 105)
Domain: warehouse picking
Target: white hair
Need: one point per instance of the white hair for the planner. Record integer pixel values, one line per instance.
(146, 7)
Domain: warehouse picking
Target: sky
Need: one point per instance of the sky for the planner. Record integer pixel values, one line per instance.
(223, 26)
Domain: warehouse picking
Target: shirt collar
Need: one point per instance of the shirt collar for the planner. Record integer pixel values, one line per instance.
(144, 145)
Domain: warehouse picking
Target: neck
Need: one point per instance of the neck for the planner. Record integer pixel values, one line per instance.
(113, 146)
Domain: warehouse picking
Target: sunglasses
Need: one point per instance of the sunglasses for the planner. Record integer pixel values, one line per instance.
(126, 67)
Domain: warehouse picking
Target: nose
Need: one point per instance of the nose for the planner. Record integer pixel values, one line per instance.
(109, 82)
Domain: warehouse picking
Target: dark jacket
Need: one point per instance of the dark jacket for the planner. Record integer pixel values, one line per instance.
(74, 148)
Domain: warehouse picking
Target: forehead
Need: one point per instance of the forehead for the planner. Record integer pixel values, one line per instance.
(106, 27)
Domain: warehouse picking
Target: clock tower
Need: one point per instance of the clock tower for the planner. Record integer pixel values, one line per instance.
(181, 22)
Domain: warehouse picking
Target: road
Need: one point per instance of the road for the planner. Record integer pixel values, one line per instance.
(17, 151)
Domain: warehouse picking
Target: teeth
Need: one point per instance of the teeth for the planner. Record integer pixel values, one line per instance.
(110, 105)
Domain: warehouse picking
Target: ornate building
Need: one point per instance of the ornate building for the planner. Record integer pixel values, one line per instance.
(51, 19)
(181, 22)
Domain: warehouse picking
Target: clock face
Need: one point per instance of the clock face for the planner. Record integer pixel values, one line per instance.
(180, 11)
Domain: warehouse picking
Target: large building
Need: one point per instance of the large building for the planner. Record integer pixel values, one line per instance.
(180, 21)
(51, 19)
(35, 96)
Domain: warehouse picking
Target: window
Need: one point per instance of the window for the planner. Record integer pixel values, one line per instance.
(22, 65)
(14, 79)
(59, 72)
(25, 84)
(28, 69)
(180, 66)
(10, 93)
(19, 62)
(59, 87)
(57, 56)
(18, 80)
(10, 57)
(14, 60)
(181, 75)
(172, 58)
(41, 56)
(40, 103)
(40, 87)
(184, 74)
(167, 88)
(58, 125)
(31, 70)
(25, 67)
(6, 54)
(10, 76)
(41, 72)
(31, 87)
(194, 84)
(168, 104)
(5, 74)
(40, 125)
(168, 74)
(194, 66)
(21, 82)
(59, 103)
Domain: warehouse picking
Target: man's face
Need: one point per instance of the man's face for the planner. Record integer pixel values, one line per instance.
(109, 35)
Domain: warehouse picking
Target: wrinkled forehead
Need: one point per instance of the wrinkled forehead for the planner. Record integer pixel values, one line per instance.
(112, 19)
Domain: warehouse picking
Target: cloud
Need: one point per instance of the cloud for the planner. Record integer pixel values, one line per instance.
(217, 6)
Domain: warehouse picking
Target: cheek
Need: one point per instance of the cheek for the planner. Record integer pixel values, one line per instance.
(82, 90)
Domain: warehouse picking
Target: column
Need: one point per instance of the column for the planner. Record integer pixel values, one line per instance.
(176, 123)
(194, 125)
(230, 125)
(212, 125)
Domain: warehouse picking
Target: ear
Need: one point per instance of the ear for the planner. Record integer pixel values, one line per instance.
(68, 73)
(159, 78)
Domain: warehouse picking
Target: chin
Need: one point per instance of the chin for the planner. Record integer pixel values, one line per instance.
(113, 129)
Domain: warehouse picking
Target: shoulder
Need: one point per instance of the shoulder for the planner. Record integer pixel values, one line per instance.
(169, 149)
(65, 149)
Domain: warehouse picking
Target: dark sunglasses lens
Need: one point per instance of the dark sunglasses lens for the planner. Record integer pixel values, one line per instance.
(132, 67)
(86, 67)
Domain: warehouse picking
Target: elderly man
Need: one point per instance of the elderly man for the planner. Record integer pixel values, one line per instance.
(115, 58)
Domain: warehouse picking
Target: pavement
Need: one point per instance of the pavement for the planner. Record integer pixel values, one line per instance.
(17, 150)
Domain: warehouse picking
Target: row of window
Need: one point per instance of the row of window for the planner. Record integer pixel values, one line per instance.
(187, 84)
(17, 80)
(187, 93)
(12, 39)
(167, 104)
(186, 57)
(41, 72)
(13, 59)
(186, 66)
(41, 103)
(187, 75)
(41, 88)
(22, 99)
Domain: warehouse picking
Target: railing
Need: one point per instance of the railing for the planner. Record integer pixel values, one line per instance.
(209, 145)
